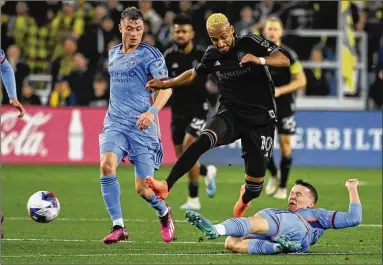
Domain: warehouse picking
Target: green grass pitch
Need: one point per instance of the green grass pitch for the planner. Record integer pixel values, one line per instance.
(76, 236)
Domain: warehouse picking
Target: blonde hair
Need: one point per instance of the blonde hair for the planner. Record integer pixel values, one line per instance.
(274, 19)
(217, 19)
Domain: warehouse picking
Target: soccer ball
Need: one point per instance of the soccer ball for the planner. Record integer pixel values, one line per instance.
(43, 207)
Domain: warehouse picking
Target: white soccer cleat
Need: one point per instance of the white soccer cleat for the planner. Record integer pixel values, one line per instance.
(281, 194)
(272, 185)
(210, 180)
(191, 204)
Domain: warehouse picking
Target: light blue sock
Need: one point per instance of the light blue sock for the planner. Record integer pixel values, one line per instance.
(258, 246)
(237, 227)
(111, 193)
(158, 205)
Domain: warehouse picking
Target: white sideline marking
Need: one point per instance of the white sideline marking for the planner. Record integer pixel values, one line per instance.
(175, 254)
(135, 220)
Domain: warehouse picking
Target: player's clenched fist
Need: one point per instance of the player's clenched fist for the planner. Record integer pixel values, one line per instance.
(249, 58)
(155, 84)
(352, 183)
(144, 120)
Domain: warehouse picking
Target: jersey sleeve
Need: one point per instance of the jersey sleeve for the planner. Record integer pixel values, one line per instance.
(295, 64)
(204, 67)
(325, 218)
(261, 46)
(157, 68)
(2, 56)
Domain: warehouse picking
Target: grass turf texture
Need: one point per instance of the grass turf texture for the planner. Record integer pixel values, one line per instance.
(76, 236)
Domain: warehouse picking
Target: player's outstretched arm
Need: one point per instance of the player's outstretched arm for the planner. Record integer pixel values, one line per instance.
(161, 98)
(277, 59)
(183, 79)
(8, 76)
(354, 215)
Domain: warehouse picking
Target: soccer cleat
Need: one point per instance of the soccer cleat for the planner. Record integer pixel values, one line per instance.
(281, 194)
(240, 207)
(118, 233)
(287, 244)
(210, 181)
(1, 228)
(272, 185)
(191, 204)
(167, 226)
(202, 224)
(159, 187)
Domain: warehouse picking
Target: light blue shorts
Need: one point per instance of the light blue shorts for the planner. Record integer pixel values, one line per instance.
(146, 156)
(288, 224)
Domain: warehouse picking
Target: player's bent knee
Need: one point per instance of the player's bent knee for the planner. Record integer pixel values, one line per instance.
(107, 167)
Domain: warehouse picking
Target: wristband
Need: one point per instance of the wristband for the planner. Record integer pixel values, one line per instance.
(153, 110)
(262, 60)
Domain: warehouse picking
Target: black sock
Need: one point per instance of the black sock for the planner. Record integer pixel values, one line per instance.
(203, 170)
(285, 170)
(271, 167)
(188, 159)
(252, 191)
(193, 189)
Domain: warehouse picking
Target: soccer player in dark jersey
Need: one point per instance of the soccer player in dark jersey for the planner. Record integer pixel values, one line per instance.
(287, 81)
(247, 107)
(272, 231)
(189, 105)
(8, 77)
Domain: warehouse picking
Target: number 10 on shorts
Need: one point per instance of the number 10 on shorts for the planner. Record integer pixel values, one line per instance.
(267, 145)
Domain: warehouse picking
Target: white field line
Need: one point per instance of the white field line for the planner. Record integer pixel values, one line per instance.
(135, 220)
(175, 254)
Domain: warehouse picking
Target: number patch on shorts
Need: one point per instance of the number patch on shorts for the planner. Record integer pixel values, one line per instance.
(267, 145)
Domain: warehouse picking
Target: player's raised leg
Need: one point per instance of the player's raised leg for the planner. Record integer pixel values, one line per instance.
(111, 155)
(286, 161)
(217, 132)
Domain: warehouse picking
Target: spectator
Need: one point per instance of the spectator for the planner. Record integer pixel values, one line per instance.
(317, 78)
(28, 96)
(245, 25)
(376, 92)
(165, 36)
(100, 97)
(62, 95)
(114, 11)
(21, 69)
(185, 7)
(80, 79)
(263, 10)
(150, 15)
(62, 66)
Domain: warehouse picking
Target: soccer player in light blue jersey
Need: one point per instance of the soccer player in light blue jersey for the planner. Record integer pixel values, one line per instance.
(272, 231)
(131, 124)
(8, 77)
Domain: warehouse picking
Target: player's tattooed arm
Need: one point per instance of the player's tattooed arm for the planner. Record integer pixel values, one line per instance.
(183, 79)
(277, 59)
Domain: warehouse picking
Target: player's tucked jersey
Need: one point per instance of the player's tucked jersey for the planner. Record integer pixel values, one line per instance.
(248, 89)
(190, 99)
(282, 76)
(129, 98)
(316, 220)
(2, 56)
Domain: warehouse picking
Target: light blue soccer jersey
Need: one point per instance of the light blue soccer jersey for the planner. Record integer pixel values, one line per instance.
(2, 56)
(129, 98)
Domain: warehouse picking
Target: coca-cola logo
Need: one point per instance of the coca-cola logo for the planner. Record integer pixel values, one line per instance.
(26, 140)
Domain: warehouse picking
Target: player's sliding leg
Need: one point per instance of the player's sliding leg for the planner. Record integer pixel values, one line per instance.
(110, 188)
(163, 211)
(273, 182)
(246, 235)
(286, 161)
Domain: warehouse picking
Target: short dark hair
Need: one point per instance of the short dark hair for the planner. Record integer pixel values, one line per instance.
(312, 189)
(182, 19)
(132, 13)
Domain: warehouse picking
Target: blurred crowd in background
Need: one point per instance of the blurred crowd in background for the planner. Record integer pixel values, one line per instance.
(69, 40)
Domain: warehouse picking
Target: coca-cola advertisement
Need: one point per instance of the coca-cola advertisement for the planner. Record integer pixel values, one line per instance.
(62, 135)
